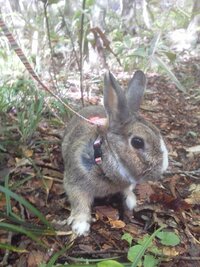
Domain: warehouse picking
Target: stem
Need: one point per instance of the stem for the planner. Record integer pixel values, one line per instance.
(55, 84)
(81, 50)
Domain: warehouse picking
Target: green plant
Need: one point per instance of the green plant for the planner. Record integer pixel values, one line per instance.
(14, 223)
(29, 118)
(147, 252)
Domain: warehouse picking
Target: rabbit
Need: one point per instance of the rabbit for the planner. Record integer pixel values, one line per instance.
(128, 150)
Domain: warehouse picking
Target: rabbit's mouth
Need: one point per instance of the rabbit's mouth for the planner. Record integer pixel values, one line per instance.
(151, 174)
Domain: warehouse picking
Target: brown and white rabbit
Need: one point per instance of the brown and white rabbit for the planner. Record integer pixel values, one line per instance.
(129, 148)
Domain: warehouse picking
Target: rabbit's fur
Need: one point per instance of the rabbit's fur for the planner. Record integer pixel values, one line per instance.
(125, 159)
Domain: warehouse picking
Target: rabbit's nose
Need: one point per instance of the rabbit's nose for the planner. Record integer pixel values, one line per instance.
(165, 155)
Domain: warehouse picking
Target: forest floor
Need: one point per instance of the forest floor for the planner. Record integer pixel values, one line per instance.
(173, 201)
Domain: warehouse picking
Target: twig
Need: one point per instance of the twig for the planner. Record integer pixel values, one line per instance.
(194, 174)
(189, 258)
(46, 177)
(81, 51)
(99, 252)
(7, 252)
(106, 43)
(50, 46)
(70, 37)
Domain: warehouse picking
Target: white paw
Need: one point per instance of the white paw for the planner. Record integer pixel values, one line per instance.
(165, 155)
(131, 201)
(130, 197)
(80, 225)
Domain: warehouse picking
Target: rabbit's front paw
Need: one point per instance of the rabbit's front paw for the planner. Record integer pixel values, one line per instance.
(130, 198)
(80, 225)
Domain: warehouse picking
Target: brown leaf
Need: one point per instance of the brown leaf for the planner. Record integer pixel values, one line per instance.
(133, 229)
(47, 185)
(87, 248)
(170, 202)
(144, 191)
(106, 247)
(117, 224)
(170, 252)
(27, 152)
(194, 197)
(107, 212)
(2, 201)
(36, 258)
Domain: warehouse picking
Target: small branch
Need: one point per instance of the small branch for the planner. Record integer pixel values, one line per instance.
(51, 49)
(70, 37)
(106, 42)
(81, 50)
(122, 252)
(7, 252)
(189, 258)
(193, 174)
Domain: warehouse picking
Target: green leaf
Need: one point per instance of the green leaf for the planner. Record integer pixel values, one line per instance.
(150, 261)
(144, 247)
(171, 56)
(144, 239)
(128, 237)
(154, 44)
(133, 253)
(109, 263)
(163, 65)
(140, 52)
(168, 238)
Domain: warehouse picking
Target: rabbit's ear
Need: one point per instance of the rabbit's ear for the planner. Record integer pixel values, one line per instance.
(135, 91)
(115, 102)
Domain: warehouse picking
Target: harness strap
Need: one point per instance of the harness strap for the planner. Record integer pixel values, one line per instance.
(97, 150)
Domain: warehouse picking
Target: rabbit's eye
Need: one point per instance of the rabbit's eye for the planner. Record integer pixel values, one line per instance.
(137, 142)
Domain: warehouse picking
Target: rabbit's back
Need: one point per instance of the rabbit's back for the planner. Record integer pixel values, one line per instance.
(78, 140)
(78, 130)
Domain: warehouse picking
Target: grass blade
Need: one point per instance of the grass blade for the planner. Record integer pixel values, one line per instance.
(145, 246)
(24, 202)
(57, 255)
(19, 229)
(12, 248)
(163, 65)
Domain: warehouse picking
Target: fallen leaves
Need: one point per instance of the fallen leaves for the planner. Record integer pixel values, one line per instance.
(194, 197)
(36, 258)
(109, 215)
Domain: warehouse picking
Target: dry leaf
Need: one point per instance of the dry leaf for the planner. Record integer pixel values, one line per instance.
(144, 191)
(193, 149)
(194, 197)
(47, 185)
(117, 224)
(108, 212)
(22, 162)
(27, 152)
(170, 251)
(36, 258)
(133, 229)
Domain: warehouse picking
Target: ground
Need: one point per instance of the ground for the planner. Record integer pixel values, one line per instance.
(173, 201)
